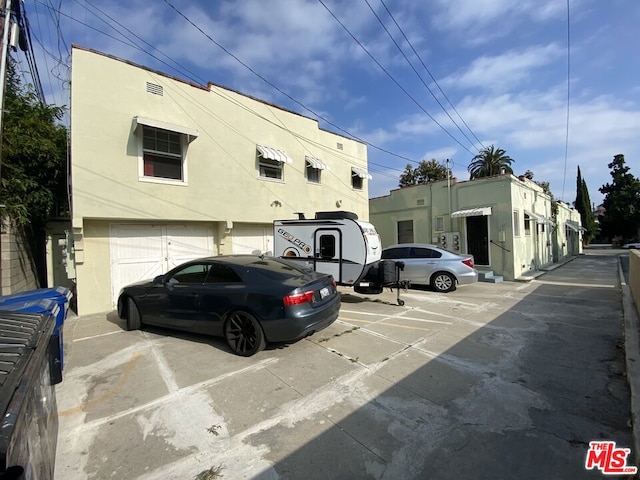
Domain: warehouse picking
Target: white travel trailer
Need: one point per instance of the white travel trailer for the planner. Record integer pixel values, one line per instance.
(333, 242)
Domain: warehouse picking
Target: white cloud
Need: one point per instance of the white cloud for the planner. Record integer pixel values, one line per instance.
(503, 71)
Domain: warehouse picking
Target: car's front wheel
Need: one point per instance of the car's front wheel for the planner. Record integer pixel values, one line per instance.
(443, 282)
(244, 334)
(134, 320)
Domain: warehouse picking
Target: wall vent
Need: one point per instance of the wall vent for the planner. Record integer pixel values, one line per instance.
(339, 146)
(155, 89)
(420, 202)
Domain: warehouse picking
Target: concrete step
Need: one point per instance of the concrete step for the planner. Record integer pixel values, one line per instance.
(488, 276)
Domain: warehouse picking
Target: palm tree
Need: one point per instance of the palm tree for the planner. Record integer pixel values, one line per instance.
(490, 161)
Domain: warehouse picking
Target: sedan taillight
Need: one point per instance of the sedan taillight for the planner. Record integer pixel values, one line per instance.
(468, 262)
(298, 298)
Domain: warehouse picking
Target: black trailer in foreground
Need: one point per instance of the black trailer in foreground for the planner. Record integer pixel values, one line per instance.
(385, 273)
(29, 368)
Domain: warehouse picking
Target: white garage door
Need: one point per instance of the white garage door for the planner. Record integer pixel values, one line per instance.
(140, 252)
(252, 239)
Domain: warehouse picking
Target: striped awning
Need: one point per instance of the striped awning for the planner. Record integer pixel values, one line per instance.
(191, 133)
(316, 163)
(360, 173)
(274, 154)
(472, 212)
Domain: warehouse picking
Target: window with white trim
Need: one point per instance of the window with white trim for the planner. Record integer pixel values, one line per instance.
(356, 181)
(162, 154)
(270, 168)
(516, 223)
(439, 224)
(527, 224)
(313, 173)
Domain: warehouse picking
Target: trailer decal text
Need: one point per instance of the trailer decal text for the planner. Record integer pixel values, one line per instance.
(296, 241)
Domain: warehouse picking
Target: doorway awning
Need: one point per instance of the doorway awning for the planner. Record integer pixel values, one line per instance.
(537, 217)
(274, 154)
(573, 226)
(472, 212)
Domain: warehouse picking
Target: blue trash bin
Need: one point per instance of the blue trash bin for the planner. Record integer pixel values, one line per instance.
(38, 305)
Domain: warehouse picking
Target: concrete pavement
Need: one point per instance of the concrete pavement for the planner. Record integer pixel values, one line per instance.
(506, 380)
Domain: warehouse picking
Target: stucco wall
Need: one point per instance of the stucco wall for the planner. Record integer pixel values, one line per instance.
(634, 276)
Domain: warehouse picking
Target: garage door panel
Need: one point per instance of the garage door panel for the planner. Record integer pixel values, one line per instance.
(186, 242)
(252, 239)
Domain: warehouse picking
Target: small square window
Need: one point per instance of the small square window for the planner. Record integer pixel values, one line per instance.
(270, 168)
(313, 173)
(356, 181)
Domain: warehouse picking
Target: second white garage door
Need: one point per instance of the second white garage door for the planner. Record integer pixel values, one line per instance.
(252, 239)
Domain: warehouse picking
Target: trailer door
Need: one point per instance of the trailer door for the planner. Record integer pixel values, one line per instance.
(328, 252)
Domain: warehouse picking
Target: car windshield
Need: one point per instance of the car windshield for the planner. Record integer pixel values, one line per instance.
(278, 269)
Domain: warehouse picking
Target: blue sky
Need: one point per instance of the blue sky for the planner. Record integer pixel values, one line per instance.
(502, 64)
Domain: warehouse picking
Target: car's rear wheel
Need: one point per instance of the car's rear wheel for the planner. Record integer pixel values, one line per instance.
(443, 282)
(134, 320)
(244, 334)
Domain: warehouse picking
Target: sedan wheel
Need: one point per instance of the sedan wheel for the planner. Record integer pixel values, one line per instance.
(134, 321)
(443, 282)
(244, 334)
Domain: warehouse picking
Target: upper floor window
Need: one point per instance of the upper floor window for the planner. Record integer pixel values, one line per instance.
(357, 176)
(313, 168)
(162, 154)
(271, 162)
(163, 150)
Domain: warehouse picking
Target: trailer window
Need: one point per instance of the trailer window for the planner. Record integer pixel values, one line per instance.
(327, 246)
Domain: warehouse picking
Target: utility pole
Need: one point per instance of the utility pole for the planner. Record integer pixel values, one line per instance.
(6, 27)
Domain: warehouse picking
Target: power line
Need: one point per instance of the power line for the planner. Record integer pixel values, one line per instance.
(414, 69)
(430, 75)
(393, 79)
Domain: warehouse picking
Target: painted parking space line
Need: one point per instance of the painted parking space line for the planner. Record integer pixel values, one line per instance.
(399, 316)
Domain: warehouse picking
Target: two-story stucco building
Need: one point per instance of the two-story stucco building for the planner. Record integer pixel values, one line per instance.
(508, 224)
(164, 170)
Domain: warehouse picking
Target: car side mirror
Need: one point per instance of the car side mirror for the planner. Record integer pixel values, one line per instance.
(159, 279)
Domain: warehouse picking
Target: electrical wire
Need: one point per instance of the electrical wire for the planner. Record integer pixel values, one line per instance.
(430, 74)
(416, 72)
(393, 79)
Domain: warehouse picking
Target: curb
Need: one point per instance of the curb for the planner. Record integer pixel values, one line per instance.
(632, 359)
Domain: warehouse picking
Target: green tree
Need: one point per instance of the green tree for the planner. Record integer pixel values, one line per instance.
(583, 205)
(425, 172)
(490, 161)
(33, 169)
(621, 202)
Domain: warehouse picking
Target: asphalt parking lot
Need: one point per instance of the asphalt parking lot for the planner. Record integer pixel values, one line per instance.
(509, 380)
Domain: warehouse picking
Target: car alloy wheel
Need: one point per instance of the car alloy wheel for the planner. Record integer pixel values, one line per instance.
(244, 334)
(443, 282)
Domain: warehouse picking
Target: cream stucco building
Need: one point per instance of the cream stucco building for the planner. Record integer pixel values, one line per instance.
(510, 225)
(163, 170)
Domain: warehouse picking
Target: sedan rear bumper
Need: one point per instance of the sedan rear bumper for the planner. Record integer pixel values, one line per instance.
(466, 278)
(298, 325)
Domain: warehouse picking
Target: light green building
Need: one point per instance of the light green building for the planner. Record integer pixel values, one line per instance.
(508, 224)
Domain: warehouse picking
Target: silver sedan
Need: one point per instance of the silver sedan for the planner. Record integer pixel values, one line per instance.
(430, 265)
